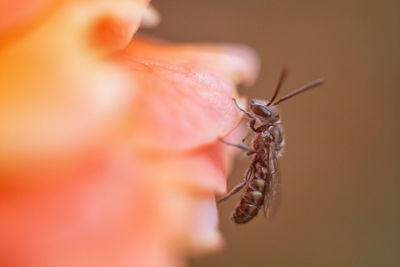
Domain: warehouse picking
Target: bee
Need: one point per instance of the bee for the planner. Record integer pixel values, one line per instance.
(262, 179)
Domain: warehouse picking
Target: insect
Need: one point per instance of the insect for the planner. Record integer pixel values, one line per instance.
(262, 179)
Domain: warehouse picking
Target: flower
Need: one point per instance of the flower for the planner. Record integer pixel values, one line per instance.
(108, 147)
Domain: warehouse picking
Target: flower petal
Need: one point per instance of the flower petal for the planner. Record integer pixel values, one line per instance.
(118, 22)
(151, 17)
(58, 92)
(113, 22)
(18, 13)
(111, 212)
(206, 238)
(184, 99)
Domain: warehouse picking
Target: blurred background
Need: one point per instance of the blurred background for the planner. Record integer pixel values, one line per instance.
(341, 167)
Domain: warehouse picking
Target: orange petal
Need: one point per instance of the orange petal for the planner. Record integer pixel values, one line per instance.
(110, 213)
(119, 21)
(58, 92)
(106, 215)
(110, 24)
(184, 97)
(17, 14)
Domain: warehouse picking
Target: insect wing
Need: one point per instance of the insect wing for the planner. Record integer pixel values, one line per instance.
(273, 190)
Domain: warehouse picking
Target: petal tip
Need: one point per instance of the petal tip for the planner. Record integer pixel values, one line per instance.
(245, 63)
(151, 17)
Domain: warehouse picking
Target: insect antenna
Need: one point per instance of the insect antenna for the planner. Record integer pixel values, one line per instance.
(278, 86)
(300, 90)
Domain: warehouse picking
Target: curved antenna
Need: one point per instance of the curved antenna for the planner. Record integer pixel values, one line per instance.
(301, 90)
(278, 87)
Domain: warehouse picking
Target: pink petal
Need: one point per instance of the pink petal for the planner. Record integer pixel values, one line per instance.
(184, 97)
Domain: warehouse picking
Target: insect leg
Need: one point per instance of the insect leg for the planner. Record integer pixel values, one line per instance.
(253, 120)
(240, 146)
(248, 174)
(247, 136)
(248, 114)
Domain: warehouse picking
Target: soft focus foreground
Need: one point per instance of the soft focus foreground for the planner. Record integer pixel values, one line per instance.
(108, 147)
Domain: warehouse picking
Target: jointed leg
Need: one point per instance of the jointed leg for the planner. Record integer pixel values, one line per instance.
(252, 122)
(248, 114)
(239, 187)
(240, 146)
(245, 138)
(253, 119)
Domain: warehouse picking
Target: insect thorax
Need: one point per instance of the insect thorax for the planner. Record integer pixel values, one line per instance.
(271, 135)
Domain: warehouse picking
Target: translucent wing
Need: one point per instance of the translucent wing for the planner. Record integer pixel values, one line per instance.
(273, 190)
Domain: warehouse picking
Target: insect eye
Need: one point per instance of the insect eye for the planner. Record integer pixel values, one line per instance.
(261, 111)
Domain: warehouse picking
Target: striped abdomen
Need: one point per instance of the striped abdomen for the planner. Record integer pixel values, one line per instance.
(252, 200)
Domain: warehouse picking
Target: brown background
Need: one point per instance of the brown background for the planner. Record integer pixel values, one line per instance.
(341, 166)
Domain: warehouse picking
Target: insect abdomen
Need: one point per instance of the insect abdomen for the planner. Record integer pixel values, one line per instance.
(251, 202)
